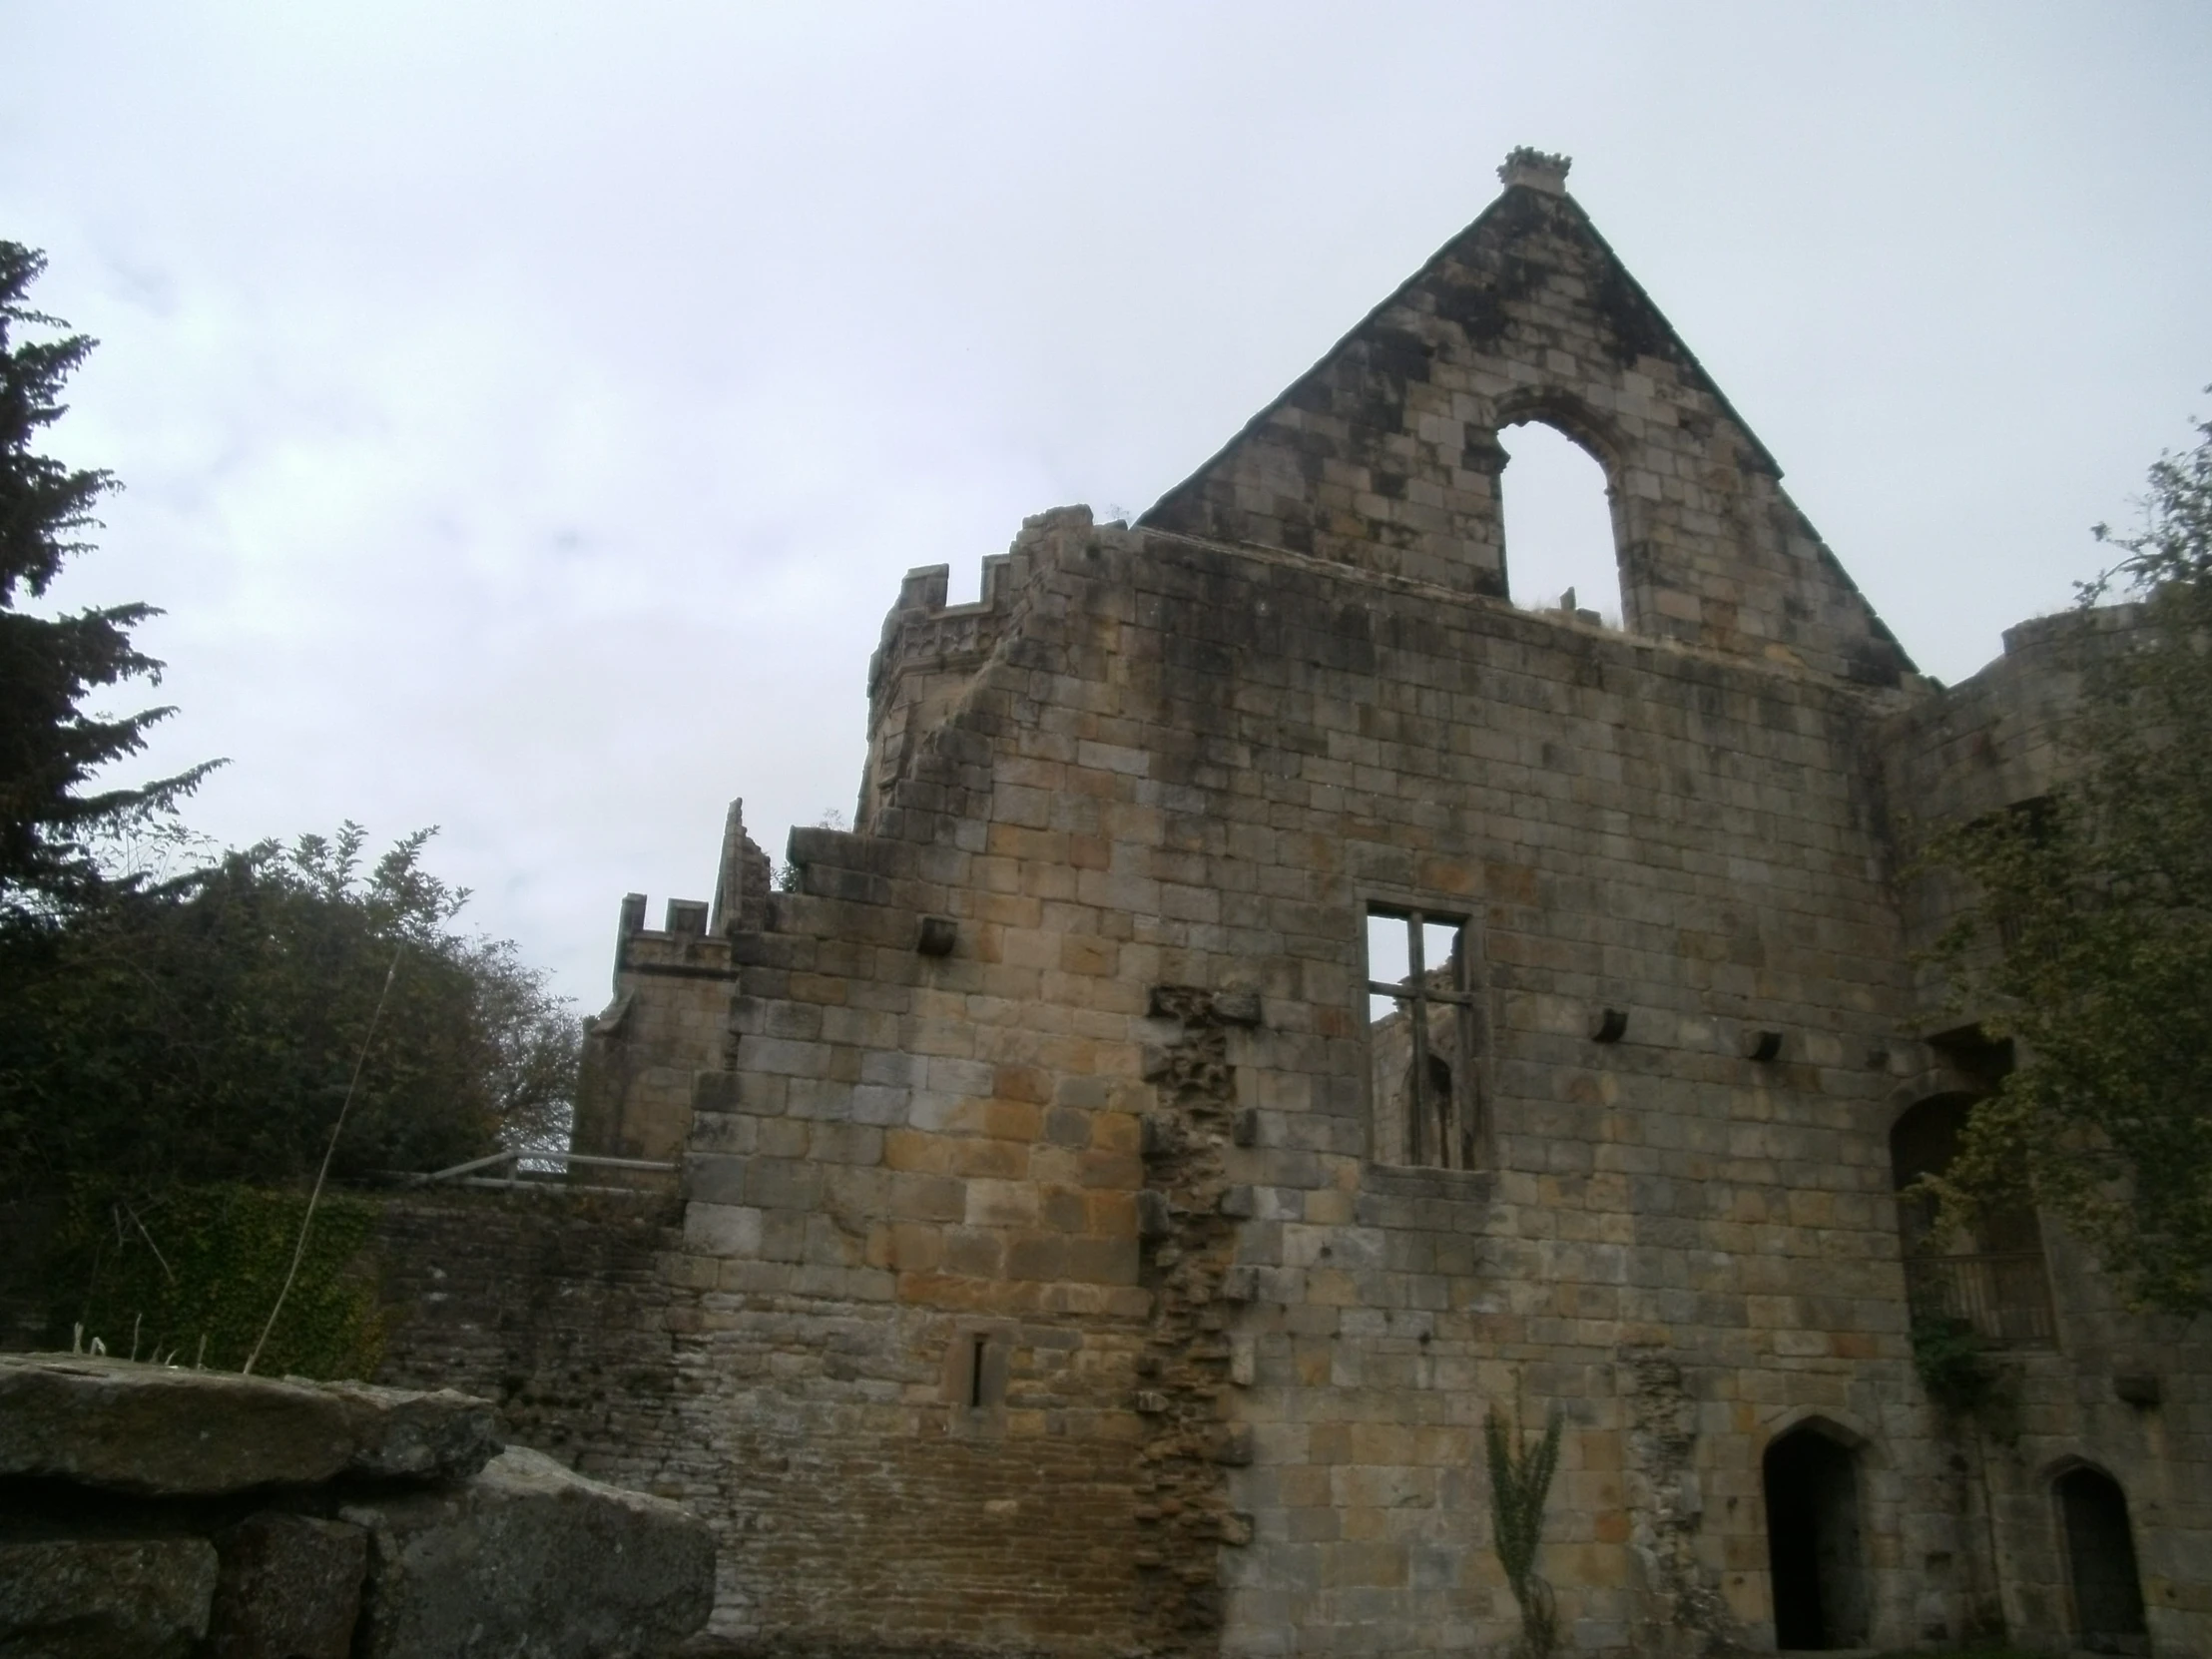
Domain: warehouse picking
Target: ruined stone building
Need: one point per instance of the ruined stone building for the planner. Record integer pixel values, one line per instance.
(1280, 1000)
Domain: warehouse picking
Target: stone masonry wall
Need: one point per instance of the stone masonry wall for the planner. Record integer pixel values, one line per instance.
(1200, 763)
(1193, 768)
(1050, 1289)
(1625, 824)
(667, 1023)
(560, 1310)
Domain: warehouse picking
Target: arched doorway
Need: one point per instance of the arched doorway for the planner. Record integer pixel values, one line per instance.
(2100, 1563)
(1819, 1579)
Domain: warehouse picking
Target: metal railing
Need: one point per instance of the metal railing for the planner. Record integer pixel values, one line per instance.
(2005, 1299)
(473, 1173)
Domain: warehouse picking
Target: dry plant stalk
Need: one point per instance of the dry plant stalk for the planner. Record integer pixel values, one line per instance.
(299, 1248)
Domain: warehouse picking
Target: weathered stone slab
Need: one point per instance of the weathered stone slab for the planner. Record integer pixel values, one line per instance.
(162, 1432)
(291, 1588)
(531, 1561)
(109, 1598)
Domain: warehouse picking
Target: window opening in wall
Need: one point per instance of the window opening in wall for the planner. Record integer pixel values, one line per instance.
(976, 1368)
(1820, 1584)
(1988, 1280)
(1560, 550)
(2100, 1561)
(1420, 1038)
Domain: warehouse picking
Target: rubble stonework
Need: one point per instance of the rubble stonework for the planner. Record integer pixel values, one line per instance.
(151, 1511)
(1043, 1283)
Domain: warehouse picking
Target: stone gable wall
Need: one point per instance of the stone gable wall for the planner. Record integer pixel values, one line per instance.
(1385, 455)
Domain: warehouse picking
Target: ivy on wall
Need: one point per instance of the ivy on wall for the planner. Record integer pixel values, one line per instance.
(190, 1277)
(1955, 1369)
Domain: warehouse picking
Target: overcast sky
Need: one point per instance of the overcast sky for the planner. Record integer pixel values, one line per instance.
(527, 409)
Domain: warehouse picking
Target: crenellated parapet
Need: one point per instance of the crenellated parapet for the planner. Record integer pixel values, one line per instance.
(931, 652)
(667, 1020)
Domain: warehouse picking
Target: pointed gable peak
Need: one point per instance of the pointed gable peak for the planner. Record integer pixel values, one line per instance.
(1536, 168)
(1385, 455)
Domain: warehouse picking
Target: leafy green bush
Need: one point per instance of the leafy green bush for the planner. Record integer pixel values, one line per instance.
(1955, 1368)
(206, 1029)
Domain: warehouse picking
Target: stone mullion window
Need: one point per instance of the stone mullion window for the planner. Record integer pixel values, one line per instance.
(1439, 1130)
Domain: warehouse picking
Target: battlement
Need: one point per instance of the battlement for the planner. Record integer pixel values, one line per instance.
(682, 944)
(930, 651)
(921, 628)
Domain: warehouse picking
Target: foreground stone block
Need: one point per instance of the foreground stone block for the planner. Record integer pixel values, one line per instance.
(164, 1432)
(77, 1598)
(531, 1561)
(291, 1588)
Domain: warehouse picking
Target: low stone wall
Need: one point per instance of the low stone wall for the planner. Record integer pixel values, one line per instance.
(148, 1510)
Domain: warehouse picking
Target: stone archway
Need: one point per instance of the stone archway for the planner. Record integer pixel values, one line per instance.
(1814, 1541)
(2100, 1562)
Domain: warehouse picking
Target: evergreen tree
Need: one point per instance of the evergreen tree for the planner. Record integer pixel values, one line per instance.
(50, 746)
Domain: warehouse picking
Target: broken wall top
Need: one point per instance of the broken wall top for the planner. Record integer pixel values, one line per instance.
(1386, 454)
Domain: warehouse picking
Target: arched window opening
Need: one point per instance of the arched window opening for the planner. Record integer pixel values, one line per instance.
(1989, 1281)
(1813, 1549)
(1560, 551)
(2100, 1563)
